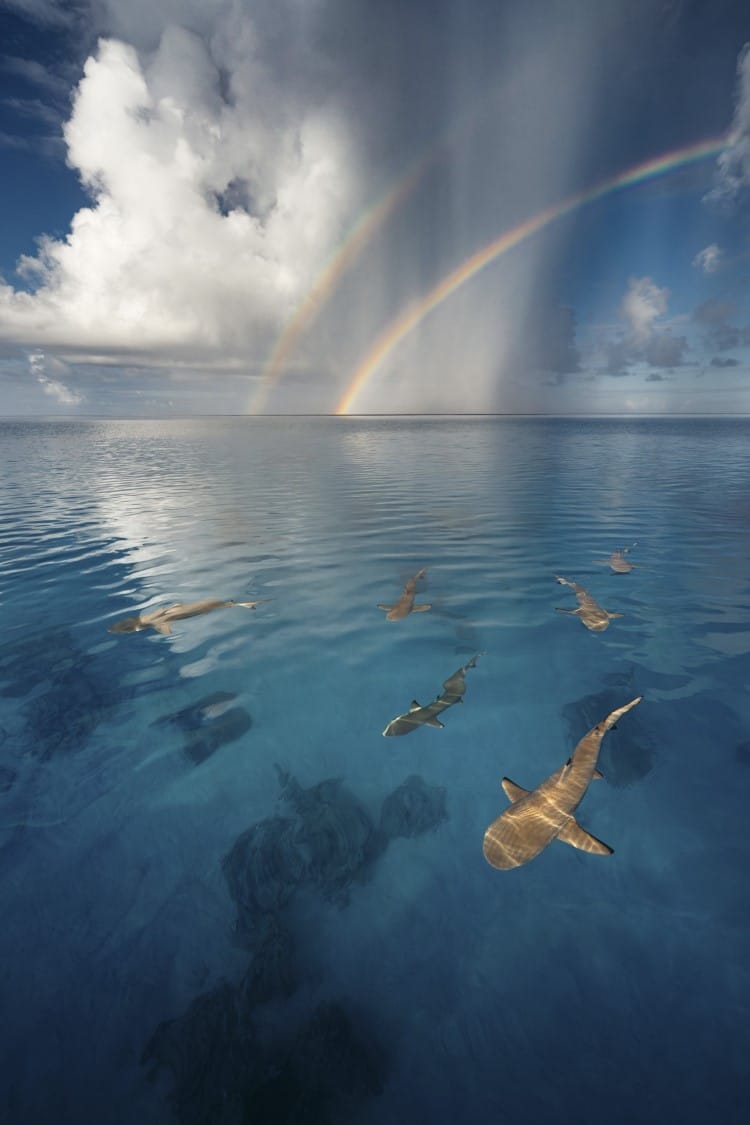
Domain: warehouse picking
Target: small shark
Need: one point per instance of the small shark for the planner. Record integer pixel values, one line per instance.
(617, 561)
(590, 612)
(538, 816)
(405, 604)
(418, 716)
(161, 619)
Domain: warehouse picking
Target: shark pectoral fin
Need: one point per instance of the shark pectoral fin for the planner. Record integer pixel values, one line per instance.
(572, 833)
(598, 776)
(386, 607)
(162, 627)
(512, 791)
(559, 609)
(434, 723)
(420, 608)
(611, 615)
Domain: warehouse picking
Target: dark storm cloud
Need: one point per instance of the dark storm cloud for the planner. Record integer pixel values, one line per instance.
(720, 334)
(721, 361)
(665, 350)
(619, 354)
(661, 349)
(714, 311)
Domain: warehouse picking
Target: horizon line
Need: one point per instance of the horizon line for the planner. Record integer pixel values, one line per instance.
(376, 414)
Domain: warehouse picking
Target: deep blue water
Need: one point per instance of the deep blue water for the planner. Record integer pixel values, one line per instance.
(320, 962)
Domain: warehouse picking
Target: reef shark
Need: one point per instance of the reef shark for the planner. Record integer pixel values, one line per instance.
(617, 561)
(590, 612)
(538, 816)
(161, 619)
(418, 716)
(405, 604)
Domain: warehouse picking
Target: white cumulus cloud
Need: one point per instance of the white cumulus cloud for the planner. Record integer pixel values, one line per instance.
(734, 162)
(43, 368)
(709, 259)
(215, 197)
(642, 305)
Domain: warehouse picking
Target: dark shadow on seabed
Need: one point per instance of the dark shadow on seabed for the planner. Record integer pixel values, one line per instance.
(232, 1058)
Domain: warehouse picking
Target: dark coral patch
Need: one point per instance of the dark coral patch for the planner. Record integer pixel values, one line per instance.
(413, 808)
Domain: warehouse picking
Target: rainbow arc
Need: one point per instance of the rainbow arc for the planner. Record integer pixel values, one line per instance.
(408, 320)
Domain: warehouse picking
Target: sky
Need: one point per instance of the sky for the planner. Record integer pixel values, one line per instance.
(374, 206)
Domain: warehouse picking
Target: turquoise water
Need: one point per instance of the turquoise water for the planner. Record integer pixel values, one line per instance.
(330, 952)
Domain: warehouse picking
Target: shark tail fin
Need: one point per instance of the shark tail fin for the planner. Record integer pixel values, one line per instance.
(613, 716)
(572, 833)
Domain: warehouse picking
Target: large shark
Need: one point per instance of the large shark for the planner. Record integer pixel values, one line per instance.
(418, 716)
(590, 612)
(617, 561)
(536, 817)
(161, 619)
(405, 604)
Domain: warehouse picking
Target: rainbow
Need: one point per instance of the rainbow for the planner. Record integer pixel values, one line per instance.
(351, 247)
(332, 272)
(415, 313)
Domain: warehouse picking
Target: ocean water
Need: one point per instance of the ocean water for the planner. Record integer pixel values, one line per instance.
(220, 900)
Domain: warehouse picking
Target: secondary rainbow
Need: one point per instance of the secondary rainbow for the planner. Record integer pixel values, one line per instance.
(411, 317)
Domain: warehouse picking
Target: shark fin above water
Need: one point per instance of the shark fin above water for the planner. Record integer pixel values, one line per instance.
(512, 791)
(578, 837)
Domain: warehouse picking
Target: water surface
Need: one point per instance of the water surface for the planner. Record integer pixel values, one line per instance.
(374, 976)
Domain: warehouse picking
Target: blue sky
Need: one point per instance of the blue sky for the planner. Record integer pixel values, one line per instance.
(178, 173)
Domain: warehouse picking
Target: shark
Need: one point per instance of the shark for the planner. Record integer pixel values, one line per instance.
(405, 604)
(161, 619)
(617, 561)
(418, 716)
(538, 816)
(590, 612)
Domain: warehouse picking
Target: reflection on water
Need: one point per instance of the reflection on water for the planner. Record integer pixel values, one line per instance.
(324, 941)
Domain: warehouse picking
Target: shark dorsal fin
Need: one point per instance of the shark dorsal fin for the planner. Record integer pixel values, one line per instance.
(572, 833)
(512, 791)
(415, 706)
(598, 776)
